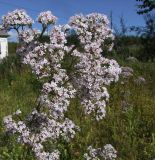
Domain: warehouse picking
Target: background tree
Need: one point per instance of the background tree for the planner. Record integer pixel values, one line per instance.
(148, 39)
(146, 35)
(145, 6)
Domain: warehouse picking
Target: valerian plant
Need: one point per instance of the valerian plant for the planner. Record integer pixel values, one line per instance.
(85, 77)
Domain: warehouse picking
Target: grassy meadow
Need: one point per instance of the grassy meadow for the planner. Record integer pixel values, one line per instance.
(129, 124)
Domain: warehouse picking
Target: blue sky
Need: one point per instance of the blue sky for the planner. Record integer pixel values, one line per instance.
(63, 9)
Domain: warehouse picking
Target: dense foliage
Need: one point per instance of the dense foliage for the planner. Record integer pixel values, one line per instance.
(145, 6)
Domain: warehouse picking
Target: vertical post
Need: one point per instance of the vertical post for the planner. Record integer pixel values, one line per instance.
(6, 47)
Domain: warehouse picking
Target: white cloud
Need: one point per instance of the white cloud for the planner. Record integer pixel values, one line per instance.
(12, 36)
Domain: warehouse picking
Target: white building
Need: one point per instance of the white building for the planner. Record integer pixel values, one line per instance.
(3, 44)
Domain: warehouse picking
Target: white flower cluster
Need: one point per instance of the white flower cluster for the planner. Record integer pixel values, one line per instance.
(15, 19)
(28, 35)
(38, 129)
(94, 71)
(107, 153)
(86, 80)
(46, 18)
(36, 58)
(127, 72)
(92, 31)
(45, 61)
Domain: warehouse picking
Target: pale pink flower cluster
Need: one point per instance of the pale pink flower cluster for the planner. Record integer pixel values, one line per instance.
(92, 31)
(38, 129)
(15, 19)
(87, 80)
(107, 153)
(28, 35)
(94, 71)
(46, 18)
(45, 61)
(127, 72)
(36, 58)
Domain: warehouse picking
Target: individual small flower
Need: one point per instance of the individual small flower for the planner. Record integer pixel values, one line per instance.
(132, 59)
(10, 124)
(69, 129)
(127, 72)
(140, 80)
(18, 112)
(107, 153)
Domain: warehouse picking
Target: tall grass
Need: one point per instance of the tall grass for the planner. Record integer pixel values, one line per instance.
(129, 124)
